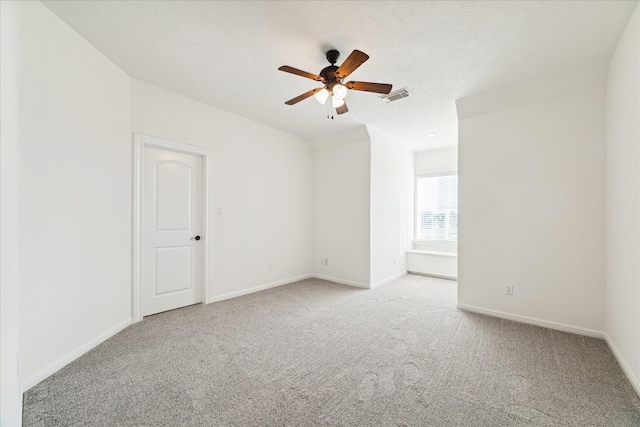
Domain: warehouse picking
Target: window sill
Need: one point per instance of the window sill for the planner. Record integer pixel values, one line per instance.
(423, 252)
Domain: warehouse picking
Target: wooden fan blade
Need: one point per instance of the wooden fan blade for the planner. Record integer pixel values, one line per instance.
(292, 70)
(303, 96)
(370, 87)
(342, 109)
(350, 64)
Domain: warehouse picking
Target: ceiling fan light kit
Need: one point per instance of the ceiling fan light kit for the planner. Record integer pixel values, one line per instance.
(339, 91)
(322, 95)
(332, 77)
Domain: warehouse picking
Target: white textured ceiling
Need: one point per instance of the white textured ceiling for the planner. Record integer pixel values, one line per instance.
(227, 53)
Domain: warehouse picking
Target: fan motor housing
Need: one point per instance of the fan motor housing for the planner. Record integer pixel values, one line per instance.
(329, 74)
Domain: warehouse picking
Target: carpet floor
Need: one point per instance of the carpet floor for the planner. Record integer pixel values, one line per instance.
(314, 353)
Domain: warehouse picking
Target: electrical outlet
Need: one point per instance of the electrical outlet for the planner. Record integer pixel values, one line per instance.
(219, 210)
(326, 261)
(270, 267)
(508, 290)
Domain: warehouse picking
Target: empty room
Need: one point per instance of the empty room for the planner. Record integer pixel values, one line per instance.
(320, 213)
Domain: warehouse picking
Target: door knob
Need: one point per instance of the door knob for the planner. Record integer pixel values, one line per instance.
(195, 238)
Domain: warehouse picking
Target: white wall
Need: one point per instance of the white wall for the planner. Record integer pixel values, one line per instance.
(75, 193)
(623, 202)
(432, 263)
(261, 179)
(10, 398)
(341, 165)
(392, 178)
(531, 200)
(441, 160)
(363, 205)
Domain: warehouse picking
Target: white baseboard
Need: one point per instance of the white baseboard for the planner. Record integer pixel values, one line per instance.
(266, 286)
(623, 364)
(258, 288)
(341, 281)
(388, 279)
(15, 419)
(73, 355)
(437, 276)
(533, 321)
(20, 403)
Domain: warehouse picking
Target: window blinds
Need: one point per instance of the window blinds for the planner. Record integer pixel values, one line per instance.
(437, 207)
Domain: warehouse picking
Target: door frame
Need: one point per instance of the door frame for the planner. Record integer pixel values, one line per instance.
(139, 142)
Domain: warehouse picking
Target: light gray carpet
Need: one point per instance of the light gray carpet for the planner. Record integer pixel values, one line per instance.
(315, 353)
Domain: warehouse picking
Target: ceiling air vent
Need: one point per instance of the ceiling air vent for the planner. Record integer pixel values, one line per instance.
(396, 94)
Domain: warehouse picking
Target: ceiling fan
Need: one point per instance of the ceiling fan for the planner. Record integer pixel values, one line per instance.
(332, 77)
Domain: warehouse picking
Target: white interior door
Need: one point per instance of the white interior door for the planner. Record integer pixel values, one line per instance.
(171, 230)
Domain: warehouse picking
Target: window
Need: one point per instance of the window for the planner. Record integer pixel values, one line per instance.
(437, 207)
